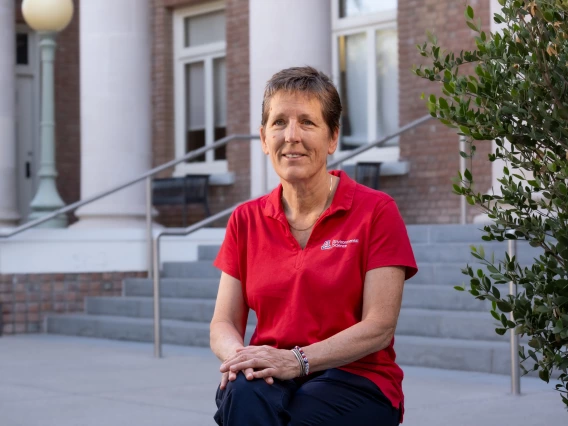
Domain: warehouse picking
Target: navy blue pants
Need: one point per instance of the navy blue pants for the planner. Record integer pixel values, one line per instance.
(331, 398)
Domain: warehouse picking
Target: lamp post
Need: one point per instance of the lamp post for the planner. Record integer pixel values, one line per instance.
(47, 17)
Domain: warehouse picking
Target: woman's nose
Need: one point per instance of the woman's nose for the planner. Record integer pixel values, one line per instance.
(292, 132)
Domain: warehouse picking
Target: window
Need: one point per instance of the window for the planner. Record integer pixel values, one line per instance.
(365, 69)
(349, 8)
(22, 49)
(200, 86)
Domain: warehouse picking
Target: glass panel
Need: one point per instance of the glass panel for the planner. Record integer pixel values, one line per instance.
(353, 83)
(220, 99)
(195, 107)
(204, 29)
(195, 139)
(22, 49)
(220, 153)
(387, 83)
(348, 8)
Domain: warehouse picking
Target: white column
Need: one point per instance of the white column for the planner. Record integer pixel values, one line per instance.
(8, 184)
(297, 34)
(497, 165)
(115, 45)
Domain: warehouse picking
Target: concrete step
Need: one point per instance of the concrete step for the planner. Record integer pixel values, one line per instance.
(448, 324)
(416, 322)
(134, 329)
(199, 310)
(453, 354)
(208, 252)
(461, 252)
(444, 297)
(444, 273)
(448, 274)
(203, 288)
(197, 269)
(445, 233)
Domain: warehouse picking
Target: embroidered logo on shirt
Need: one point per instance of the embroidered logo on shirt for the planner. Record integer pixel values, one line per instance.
(329, 244)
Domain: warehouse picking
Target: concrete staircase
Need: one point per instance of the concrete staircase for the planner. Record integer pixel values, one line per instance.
(438, 326)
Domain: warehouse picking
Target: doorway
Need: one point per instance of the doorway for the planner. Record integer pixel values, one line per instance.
(27, 117)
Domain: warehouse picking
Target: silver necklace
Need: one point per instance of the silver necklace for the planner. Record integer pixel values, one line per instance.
(324, 207)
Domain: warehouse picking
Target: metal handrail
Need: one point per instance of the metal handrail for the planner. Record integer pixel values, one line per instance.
(148, 176)
(189, 156)
(192, 228)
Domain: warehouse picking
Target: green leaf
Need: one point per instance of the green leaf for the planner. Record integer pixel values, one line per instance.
(467, 175)
(449, 88)
(492, 268)
(472, 26)
(504, 306)
(500, 331)
(464, 130)
(496, 293)
(443, 104)
(548, 15)
(469, 12)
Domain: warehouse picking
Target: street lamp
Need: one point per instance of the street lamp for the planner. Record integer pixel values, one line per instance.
(47, 17)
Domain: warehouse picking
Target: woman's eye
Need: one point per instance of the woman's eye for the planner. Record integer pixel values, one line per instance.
(278, 122)
(308, 122)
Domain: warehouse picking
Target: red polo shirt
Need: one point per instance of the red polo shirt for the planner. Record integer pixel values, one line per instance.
(305, 296)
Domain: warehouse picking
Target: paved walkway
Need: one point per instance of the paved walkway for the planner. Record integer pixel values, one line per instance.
(67, 381)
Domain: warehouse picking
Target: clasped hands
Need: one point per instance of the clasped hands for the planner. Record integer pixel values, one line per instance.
(260, 362)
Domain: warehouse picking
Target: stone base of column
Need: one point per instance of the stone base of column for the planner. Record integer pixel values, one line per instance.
(57, 222)
(99, 217)
(109, 221)
(9, 219)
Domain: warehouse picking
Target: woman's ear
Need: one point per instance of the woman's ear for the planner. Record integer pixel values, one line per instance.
(334, 141)
(263, 140)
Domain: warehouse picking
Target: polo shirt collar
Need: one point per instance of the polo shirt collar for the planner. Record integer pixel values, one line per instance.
(342, 200)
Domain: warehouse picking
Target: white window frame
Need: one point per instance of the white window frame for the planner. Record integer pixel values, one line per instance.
(182, 57)
(368, 24)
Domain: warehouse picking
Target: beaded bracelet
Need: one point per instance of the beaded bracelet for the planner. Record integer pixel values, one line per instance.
(304, 359)
(300, 361)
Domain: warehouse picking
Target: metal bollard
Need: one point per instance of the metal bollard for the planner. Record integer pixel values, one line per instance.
(515, 368)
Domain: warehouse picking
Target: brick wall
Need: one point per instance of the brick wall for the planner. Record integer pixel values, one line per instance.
(26, 298)
(68, 112)
(424, 195)
(237, 61)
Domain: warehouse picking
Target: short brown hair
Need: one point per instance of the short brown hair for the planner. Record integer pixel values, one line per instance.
(311, 82)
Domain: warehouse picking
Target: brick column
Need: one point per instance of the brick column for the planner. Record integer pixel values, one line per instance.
(8, 183)
(116, 109)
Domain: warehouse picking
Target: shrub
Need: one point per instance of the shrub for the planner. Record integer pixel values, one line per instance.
(518, 97)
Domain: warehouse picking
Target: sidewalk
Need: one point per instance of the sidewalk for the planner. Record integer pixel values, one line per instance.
(67, 381)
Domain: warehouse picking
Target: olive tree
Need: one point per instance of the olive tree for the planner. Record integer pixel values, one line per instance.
(512, 88)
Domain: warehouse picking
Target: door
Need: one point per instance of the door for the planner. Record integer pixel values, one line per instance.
(27, 117)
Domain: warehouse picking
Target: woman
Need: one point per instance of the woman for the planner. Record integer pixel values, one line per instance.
(322, 261)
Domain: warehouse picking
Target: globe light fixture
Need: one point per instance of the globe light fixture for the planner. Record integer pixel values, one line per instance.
(47, 17)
